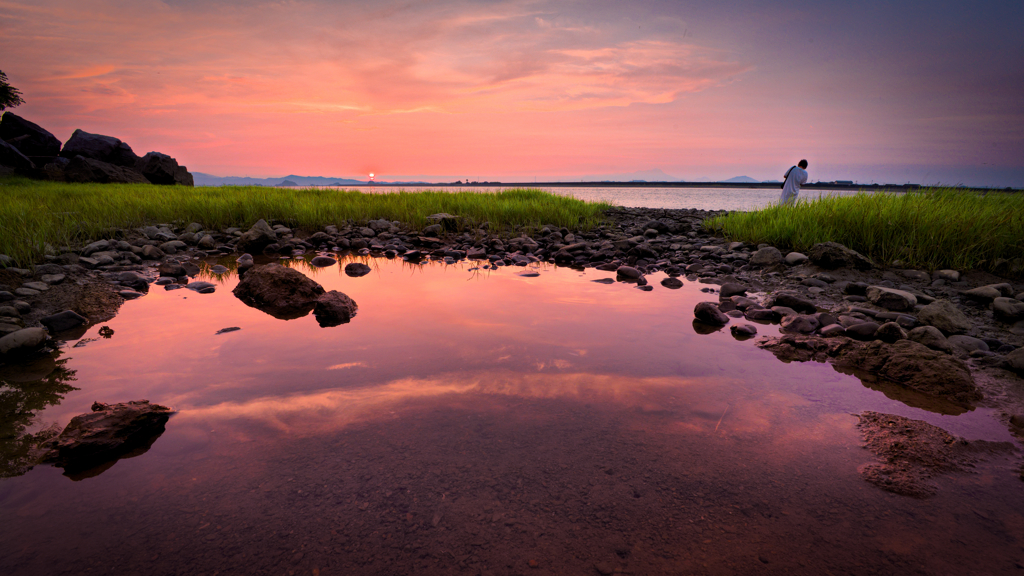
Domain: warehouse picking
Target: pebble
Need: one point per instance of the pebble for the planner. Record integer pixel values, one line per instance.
(129, 294)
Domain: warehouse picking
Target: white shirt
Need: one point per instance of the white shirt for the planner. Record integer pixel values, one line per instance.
(797, 177)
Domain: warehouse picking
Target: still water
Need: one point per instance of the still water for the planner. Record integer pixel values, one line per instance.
(485, 422)
(643, 197)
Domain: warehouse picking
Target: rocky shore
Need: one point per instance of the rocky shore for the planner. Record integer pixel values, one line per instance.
(946, 340)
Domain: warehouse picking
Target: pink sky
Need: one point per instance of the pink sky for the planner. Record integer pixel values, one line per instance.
(526, 89)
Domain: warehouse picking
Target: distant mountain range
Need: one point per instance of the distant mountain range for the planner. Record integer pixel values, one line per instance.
(202, 179)
(742, 180)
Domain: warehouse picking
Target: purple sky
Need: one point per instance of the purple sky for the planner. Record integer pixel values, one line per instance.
(869, 91)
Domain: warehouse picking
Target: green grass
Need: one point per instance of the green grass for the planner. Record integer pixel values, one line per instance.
(38, 216)
(932, 229)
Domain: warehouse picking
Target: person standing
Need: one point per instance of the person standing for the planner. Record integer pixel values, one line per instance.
(795, 177)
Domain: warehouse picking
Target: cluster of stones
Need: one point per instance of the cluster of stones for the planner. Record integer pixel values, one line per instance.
(28, 149)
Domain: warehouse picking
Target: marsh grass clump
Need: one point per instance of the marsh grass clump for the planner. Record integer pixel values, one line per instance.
(932, 229)
(37, 217)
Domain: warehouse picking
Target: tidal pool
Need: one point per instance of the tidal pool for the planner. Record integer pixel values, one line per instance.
(470, 421)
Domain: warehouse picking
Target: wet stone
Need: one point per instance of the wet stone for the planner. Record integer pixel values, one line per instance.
(356, 269)
(61, 321)
(202, 287)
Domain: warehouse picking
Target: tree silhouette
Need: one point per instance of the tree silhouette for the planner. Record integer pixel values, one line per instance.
(9, 95)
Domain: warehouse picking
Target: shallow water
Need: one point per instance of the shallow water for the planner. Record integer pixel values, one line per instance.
(644, 197)
(482, 422)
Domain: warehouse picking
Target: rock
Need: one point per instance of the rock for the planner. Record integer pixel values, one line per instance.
(23, 341)
(862, 331)
(760, 315)
(132, 294)
(445, 220)
(256, 238)
(162, 169)
(206, 242)
(767, 256)
(1015, 360)
(334, 308)
(732, 289)
(106, 149)
(1008, 310)
(915, 366)
(627, 273)
(52, 279)
(671, 283)
(245, 262)
(783, 311)
(890, 332)
(832, 255)
(202, 287)
(29, 138)
(709, 313)
(945, 316)
(82, 169)
(891, 298)
(107, 433)
(279, 291)
(791, 300)
(37, 286)
(968, 343)
(11, 157)
(931, 337)
(172, 269)
(832, 331)
(947, 275)
(323, 261)
(356, 269)
(476, 254)
(132, 280)
(743, 330)
(799, 323)
(61, 321)
(795, 258)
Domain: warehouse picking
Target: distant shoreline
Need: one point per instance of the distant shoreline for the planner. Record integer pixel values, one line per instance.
(766, 185)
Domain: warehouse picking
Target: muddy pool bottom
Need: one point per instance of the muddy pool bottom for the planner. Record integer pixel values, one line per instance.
(469, 421)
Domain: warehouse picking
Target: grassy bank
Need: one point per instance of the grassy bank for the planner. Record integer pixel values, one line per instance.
(931, 229)
(35, 214)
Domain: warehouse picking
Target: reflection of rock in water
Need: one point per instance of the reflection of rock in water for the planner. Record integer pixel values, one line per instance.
(93, 442)
(25, 389)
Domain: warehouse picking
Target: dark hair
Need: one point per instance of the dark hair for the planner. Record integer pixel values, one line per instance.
(802, 164)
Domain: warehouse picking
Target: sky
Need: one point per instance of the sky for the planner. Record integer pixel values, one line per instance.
(872, 91)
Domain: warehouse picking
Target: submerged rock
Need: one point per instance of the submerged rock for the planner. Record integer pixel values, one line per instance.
(911, 452)
(279, 291)
(334, 308)
(107, 433)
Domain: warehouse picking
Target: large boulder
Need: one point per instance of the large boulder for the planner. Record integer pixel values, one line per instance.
(162, 169)
(107, 433)
(334, 308)
(29, 138)
(279, 291)
(11, 157)
(82, 169)
(891, 298)
(912, 365)
(945, 316)
(99, 147)
(831, 255)
(256, 238)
